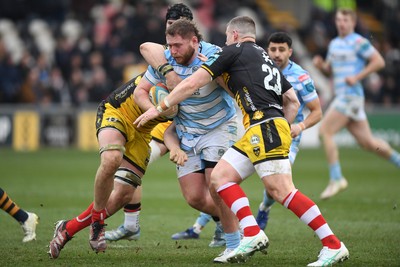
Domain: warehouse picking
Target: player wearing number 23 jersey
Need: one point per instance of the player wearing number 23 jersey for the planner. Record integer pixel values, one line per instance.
(258, 86)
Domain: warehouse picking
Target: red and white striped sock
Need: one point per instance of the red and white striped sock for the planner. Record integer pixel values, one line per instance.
(309, 213)
(99, 215)
(236, 200)
(80, 222)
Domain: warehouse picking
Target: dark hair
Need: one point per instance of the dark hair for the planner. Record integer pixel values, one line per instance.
(244, 25)
(185, 28)
(178, 11)
(279, 38)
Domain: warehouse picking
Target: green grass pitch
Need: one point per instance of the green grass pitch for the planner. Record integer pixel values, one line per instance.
(58, 184)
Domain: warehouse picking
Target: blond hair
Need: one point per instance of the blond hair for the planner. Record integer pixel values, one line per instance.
(348, 12)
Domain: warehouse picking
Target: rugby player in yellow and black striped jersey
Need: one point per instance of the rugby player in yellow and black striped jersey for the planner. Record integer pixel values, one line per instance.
(125, 154)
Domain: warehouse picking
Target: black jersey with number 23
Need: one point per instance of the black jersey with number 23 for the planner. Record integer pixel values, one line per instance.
(253, 78)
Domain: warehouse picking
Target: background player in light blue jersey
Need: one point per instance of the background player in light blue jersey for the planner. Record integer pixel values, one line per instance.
(279, 48)
(350, 59)
(205, 125)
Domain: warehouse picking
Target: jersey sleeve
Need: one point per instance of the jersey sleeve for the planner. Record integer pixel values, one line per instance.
(152, 75)
(364, 47)
(208, 49)
(285, 84)
(328, 58)
(307, 90)
(219, 62)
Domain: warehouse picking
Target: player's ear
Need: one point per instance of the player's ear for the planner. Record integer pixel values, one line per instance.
(195, 40)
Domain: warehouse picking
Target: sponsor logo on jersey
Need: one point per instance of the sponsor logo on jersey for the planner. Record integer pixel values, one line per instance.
(258, 115)
(111, 119)
(137, 80)
(304, 77)
(226, 77)
(197, 92)
(309, 87)
(123, 93)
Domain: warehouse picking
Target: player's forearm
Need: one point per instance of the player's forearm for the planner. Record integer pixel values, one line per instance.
(312, 119)
(290, 111)
(141, 94)
(322, 65)
(171, 139)
(186, 88)
(142, 99)
(315, 114)
(153, 54)
(375, 63)
(290, 105)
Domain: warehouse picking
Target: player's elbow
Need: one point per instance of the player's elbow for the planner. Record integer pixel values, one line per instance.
(379, 62)
(318, 115)
(144, 46)
(382, 63)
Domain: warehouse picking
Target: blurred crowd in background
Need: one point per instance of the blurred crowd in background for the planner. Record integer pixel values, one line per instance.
(74, 52)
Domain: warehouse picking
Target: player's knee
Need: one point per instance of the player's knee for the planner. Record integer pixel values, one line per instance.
(111, 160)
(321, 133)
(216, 179)
(112, 154)
(195, 201)
(124, 196)
(368, 145)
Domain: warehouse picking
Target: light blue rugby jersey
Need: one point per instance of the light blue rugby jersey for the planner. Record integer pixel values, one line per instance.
(348, 57)
(302, 84)
(207, 108)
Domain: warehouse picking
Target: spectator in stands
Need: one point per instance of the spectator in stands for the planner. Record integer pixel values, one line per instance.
(10, 78)
(117, 30)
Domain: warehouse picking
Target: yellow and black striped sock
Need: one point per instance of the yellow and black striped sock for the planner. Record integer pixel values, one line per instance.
(12, 208)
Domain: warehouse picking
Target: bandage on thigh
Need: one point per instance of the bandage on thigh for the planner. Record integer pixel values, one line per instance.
(112, 147)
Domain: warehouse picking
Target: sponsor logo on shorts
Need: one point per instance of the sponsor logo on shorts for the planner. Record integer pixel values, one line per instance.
(256, 151)
(255, 139)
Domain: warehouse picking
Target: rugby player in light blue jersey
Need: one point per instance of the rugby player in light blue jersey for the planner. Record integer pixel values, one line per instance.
(205, 126)
(350, 59)
(130, 228)
(279, 48)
